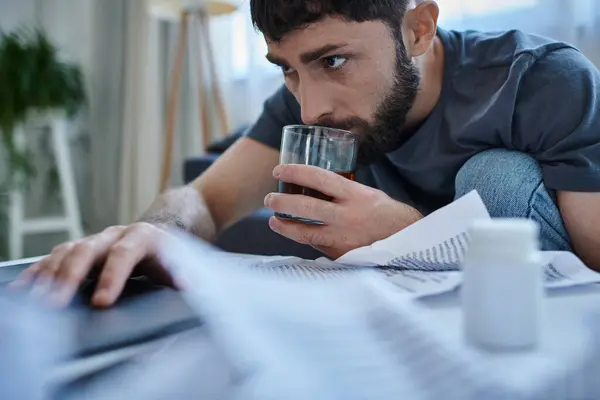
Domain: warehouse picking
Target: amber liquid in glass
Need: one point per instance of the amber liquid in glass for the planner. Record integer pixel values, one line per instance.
(290, 188)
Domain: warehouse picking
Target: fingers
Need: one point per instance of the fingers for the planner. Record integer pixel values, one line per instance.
(59, 275)
(79, 261)
(326, 182)
(138, 242)
(303, 207)
(46, 272)
(30, 275)
(316, 236)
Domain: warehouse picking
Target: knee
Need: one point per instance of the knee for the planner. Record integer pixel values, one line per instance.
(511, 186)
(506, 181)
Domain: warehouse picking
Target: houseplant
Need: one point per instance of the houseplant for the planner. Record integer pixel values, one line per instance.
(33, 81)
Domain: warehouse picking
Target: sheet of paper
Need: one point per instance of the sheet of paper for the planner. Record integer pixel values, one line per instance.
(565, 269)
(430, 232)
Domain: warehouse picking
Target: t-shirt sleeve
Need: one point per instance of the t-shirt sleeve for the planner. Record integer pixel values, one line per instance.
(557, 120)
(279, 110)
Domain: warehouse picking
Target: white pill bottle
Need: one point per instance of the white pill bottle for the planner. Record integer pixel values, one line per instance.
(503, 286)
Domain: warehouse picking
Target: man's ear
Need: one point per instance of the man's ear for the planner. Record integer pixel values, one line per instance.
(420, 26)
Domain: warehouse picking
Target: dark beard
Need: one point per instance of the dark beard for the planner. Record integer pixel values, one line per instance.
(385, 134)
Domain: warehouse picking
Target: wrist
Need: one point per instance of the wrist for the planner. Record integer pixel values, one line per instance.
(182, 209)
(165, 221)
(405, 216)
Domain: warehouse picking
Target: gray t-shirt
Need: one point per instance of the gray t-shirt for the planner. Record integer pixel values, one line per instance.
(501, 90)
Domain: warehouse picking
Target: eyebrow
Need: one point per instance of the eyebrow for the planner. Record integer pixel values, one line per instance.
(309, 56)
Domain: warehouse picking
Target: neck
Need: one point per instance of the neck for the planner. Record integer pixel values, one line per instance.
(431, 68)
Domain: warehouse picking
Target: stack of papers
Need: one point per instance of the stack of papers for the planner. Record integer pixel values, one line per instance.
(439, 243)
(349, 329)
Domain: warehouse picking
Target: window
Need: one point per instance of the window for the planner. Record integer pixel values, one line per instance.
(249, 48)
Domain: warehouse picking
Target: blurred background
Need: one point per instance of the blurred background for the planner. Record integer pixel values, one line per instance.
(113, 69)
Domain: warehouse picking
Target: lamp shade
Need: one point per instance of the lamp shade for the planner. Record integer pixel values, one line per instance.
(171, 9)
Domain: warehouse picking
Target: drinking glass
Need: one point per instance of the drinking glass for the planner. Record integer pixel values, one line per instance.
(328, 148)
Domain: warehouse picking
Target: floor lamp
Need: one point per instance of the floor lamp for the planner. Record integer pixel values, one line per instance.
(193, 23)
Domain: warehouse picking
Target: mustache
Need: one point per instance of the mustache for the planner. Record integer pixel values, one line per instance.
(349, 124)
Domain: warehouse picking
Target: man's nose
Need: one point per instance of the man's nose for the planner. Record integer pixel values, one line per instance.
(315, 103)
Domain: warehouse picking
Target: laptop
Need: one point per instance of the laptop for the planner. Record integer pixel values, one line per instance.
(143, 313)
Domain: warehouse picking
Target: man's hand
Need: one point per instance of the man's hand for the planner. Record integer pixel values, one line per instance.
(357, 216)
(118, 250)
(203, 208)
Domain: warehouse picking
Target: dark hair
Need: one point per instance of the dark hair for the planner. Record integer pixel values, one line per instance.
(276, 18)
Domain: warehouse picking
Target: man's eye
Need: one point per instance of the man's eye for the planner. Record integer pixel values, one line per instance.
(286, 70)
(335, 62)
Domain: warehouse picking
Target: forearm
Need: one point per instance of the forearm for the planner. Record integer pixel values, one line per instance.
(589, 254)
(581, 215)
(586, 242)
(234, 186)
(182, 208)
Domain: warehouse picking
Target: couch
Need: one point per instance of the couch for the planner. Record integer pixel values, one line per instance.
(252, 234)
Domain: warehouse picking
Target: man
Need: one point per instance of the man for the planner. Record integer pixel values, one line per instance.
(440, 113)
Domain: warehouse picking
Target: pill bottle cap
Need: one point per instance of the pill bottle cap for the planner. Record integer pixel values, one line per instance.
(510, 236)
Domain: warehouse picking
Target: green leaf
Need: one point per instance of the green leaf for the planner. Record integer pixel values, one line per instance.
(33, 79)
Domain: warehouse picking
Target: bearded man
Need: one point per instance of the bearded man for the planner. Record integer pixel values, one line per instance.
(439, 113)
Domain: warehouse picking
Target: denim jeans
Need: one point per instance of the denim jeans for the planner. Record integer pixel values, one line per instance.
(510, 184)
